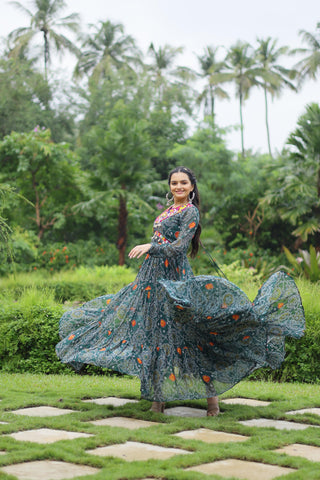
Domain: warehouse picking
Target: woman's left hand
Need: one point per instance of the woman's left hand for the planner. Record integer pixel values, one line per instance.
(139, 250)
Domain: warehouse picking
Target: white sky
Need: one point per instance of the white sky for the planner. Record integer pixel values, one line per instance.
(196, 24)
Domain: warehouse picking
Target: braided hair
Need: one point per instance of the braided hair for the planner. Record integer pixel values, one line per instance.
(195, 201)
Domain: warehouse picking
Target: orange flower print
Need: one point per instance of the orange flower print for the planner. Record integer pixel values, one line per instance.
(71, 337)
(166, 263)
(235, 317)
(176, 234)
(280, 305)
(158, 348)
(209, 318)
(148, 287)
(200, 348)
(163, 323)
(124, 341)
(133, 323)
(209, 286)
(179, 307)
(147, 256)
(246, 337)
(102, 310)
(211, 344)
(172, 377)
(102, 349)
(139, 360)
(148, 294)
(192, 224)
(178, 270)
(206, 378)
(134, 287)
(179, 350)
(109, 332)
(214, 333)
(108, 301)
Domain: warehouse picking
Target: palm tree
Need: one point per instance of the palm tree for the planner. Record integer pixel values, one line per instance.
(171, 82)
(214, 72)
(310, 65)
(107, 47)
(273, 76)
(45, 20)
(241, 61)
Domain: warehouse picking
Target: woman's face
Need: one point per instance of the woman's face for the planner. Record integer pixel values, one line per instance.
(180, 187)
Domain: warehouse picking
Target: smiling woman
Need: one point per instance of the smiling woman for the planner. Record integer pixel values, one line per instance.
(185, 337)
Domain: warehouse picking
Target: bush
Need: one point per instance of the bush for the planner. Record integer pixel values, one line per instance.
(29, 333)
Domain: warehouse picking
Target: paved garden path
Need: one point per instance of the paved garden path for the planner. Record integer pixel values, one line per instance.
(128, 451)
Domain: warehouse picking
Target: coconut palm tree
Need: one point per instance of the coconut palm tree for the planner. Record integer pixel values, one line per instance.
(45, 20)
(310, 65)
(214, 73)
(107, 47)
(171, 82)
(273, 75)
(241, 62)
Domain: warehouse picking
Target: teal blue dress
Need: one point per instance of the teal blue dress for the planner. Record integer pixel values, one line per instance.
(185, 337)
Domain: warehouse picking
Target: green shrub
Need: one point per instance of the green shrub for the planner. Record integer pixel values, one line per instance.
(29, 333)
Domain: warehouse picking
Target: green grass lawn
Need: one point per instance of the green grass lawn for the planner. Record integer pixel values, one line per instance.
(18, 391)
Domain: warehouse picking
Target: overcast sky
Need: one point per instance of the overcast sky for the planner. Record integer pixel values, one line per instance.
(195, 24)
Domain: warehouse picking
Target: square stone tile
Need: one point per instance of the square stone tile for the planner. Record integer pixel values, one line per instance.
(47, 435)
(210, 436)
(245, 401)
(185, 412)
(115, 401)
(3, 423)
(278, 424)
(315, 411)
(48, 470)
(131, 451)
(44, 411)
(299, 450)
(241, 469)
(123, 422)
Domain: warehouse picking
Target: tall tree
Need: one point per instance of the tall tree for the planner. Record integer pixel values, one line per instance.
(214, 72)
(296, 194)
(273, 75)
(310, 65)
(171, 82)
(45, 20)
(107, 47)
(241, 62)
(122, 166)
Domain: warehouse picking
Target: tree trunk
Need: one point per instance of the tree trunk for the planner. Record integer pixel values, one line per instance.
(212, 105)
(122, 228)
(46, 54)
(241, 124)
(267, 120)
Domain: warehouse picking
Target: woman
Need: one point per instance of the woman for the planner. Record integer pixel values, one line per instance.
(185, 337)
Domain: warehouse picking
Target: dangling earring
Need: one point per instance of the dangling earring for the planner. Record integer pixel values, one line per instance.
(169, 200)
(192, 197)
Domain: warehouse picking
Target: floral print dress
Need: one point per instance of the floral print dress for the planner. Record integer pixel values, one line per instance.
(185, 337)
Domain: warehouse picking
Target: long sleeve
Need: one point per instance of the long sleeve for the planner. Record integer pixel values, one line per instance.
(189, 224)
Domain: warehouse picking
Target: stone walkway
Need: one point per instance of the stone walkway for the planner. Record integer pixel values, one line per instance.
(133, 450)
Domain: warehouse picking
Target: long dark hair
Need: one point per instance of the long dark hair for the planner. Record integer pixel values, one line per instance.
(196, 202)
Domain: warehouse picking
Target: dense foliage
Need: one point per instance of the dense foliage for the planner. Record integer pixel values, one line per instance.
(83, 164)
